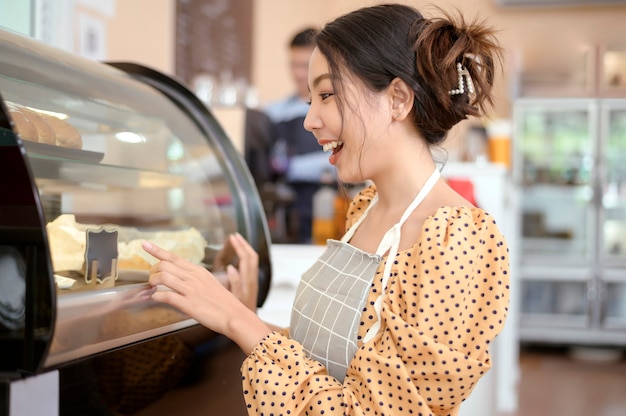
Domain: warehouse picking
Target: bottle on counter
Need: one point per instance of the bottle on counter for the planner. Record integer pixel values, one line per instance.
(342, 202)
(324, 209)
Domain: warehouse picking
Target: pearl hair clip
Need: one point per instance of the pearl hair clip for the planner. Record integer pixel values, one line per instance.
(463, 72)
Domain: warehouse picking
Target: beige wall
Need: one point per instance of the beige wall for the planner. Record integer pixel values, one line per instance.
(142, 31)
(542, 40)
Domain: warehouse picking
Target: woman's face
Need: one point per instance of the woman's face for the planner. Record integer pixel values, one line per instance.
(354, 140)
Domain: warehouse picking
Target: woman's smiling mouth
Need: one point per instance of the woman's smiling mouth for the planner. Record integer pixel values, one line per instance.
(332, 145)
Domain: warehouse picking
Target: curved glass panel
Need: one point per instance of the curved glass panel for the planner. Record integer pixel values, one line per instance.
(26, 291)
(114, 157)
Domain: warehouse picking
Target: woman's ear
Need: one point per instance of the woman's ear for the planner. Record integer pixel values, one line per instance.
(401, 99)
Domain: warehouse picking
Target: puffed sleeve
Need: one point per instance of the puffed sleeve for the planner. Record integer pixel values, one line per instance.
(447, 299)
(359, 204)
(446, 302)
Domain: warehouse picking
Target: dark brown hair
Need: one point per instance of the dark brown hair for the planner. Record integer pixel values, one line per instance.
(379, 43)
(306, 37)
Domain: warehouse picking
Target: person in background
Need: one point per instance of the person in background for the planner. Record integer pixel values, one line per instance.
(296, 160)
(396, 318)
(258, 136)
(296, 104)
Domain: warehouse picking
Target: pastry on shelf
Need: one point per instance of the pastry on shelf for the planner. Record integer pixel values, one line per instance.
(67, 242)
(42, 127)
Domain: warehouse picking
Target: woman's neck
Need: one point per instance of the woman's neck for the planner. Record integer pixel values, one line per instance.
(399, 185)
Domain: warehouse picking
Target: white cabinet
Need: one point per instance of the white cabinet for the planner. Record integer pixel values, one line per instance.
(570, 164)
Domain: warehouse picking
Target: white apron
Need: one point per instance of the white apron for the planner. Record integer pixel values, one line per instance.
(331, 295)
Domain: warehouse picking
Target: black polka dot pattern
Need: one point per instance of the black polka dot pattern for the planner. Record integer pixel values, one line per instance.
(446, 301)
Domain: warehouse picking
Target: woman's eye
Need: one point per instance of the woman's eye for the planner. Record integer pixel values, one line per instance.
(326, 95)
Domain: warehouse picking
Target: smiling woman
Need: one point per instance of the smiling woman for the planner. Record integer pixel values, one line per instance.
(411, 297)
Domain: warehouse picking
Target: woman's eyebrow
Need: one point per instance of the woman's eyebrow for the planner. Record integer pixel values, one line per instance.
(320, 78)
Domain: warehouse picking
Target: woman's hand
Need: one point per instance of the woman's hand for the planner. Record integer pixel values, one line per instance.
(244, 283)
(197, 293)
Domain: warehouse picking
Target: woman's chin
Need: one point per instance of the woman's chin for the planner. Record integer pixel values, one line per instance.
(348, 177)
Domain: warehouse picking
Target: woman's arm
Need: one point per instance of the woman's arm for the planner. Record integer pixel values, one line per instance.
(196, 292)
(446, 301)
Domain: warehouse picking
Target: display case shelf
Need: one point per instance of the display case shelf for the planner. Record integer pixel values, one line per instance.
(53, 171)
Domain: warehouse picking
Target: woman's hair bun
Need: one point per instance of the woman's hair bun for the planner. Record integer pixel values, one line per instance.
(441, 44)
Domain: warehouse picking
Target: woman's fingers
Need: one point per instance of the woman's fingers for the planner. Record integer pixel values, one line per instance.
(176, 300)
(245, 281)
(167, 296)
(234, 278)
(240, 288)
(242, 247)
(222, 277)
(158, 252)
(184, 278)
(169, 280)
(168, 260)
(234, 283)
(248, 257)
(196, 292)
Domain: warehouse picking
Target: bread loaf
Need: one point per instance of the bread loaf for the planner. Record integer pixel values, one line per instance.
(44, 128)
(65, 134)
(24, 128)
(135, 262)
(45, 134)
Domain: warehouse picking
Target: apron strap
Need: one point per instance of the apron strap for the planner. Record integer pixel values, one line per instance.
(391, 242)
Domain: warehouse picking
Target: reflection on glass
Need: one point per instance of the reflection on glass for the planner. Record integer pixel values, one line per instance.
(12, 289)
(614, 68)
(557, 148)
(156, 178)
(616, 301)
(557, 164)
(116, 147)
(543, 297)
(614, 192)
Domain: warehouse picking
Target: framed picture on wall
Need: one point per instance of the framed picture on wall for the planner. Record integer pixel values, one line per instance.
(213, 48)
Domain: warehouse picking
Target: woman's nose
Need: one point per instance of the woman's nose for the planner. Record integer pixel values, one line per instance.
(311, 121)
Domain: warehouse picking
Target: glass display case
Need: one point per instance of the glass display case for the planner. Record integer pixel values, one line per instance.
(570, 158)
(94, 159)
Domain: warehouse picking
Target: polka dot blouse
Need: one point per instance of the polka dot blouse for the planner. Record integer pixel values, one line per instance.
(446, 301)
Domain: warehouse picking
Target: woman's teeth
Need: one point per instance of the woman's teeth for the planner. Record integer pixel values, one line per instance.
(332, 145)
